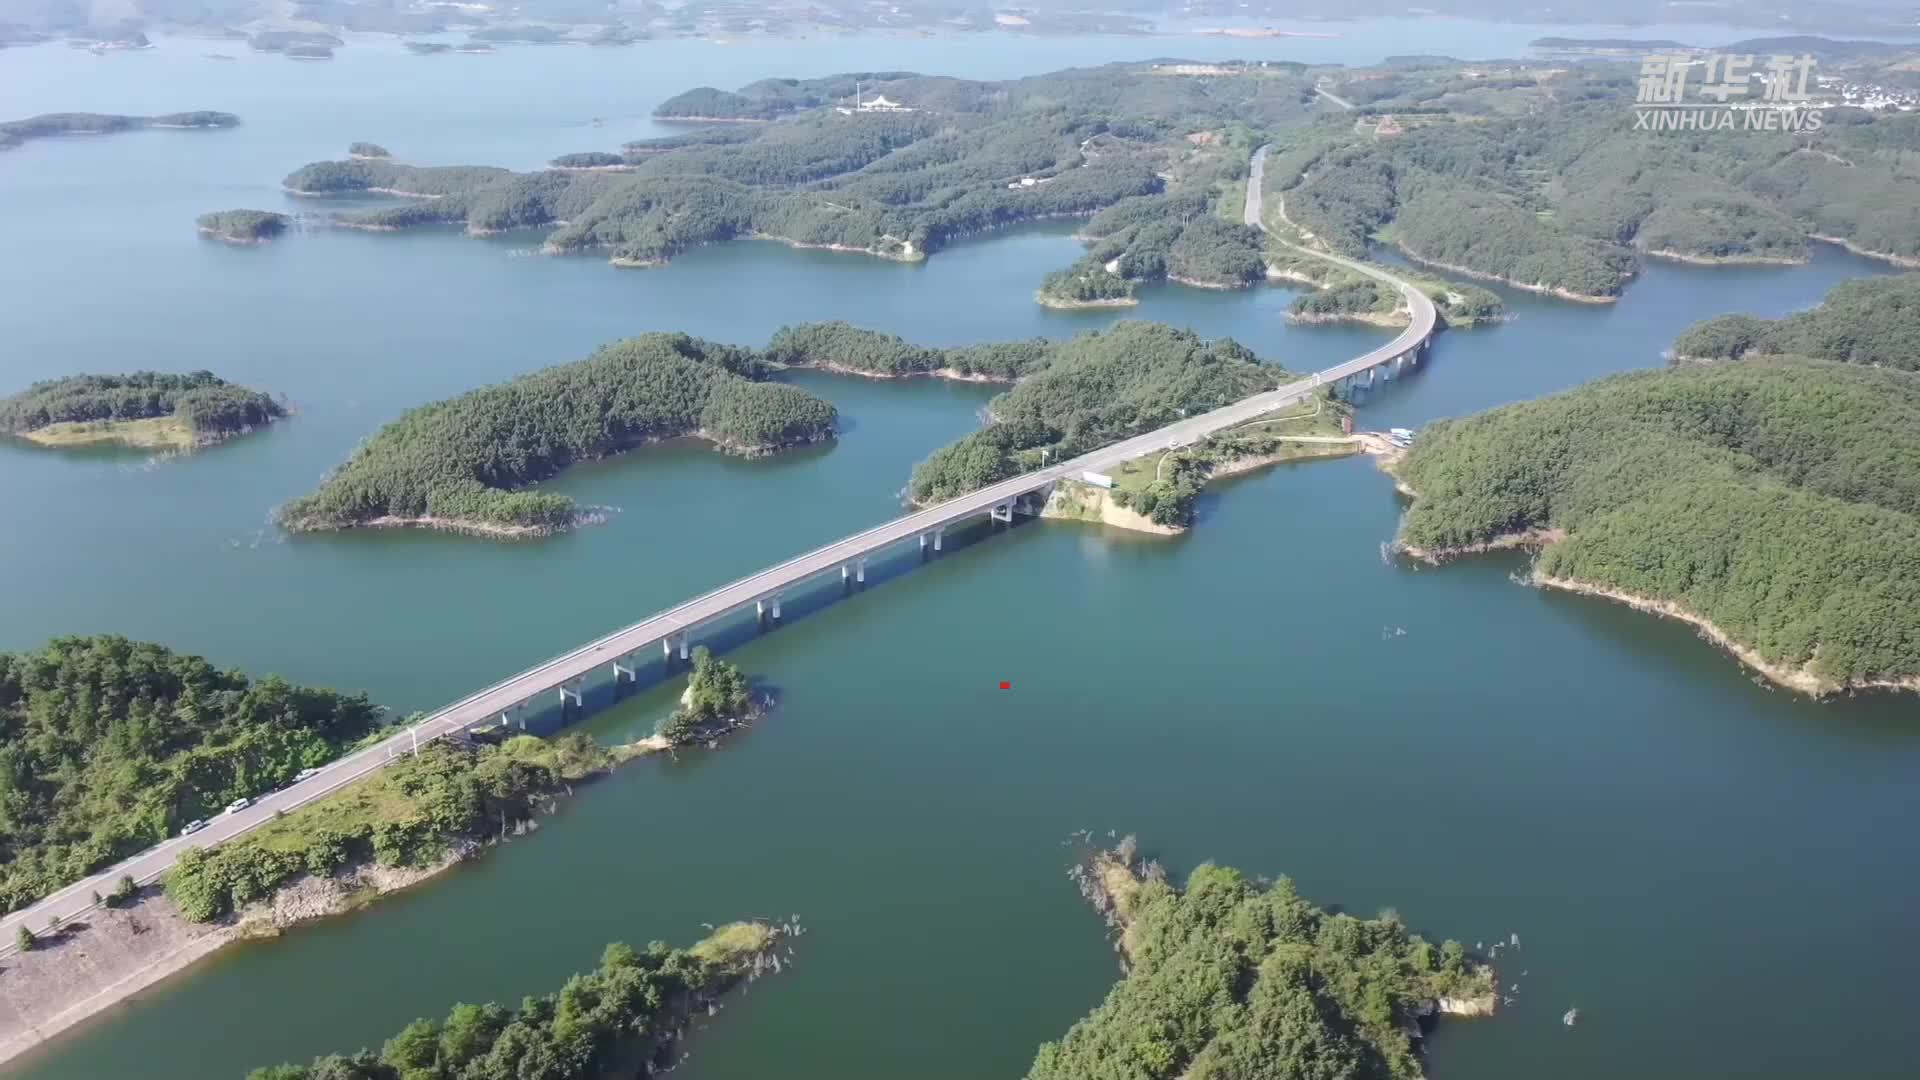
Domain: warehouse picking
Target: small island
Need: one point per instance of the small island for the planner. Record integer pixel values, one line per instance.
(15, 132)
(365, 151)
(717, 702)
(243, 226)
(145, 409)
(1228, 978)
(624, 1018)
(1773, 503)
(464, 464)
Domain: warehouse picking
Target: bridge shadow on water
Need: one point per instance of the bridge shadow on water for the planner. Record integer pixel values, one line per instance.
(547, 716)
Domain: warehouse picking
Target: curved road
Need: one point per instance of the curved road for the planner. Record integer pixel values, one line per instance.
(676, 622)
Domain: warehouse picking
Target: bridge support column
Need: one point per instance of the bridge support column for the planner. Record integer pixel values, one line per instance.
(776, 607)
(570, 693)
(860, 570)
(938, 533)
(623, 670)
(1003, 512)
(685, 649)
(844, 571)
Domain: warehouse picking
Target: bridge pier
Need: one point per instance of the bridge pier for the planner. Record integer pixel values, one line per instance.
(570, 692)
(860, 570)
(623, 671)
(1003, 512)
(938, 533)
(761, 607)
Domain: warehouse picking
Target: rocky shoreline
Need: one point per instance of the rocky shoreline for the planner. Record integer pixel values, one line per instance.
(119, 952)
(1558, 291)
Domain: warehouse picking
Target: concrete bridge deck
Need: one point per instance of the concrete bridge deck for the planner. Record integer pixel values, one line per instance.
(672, 629)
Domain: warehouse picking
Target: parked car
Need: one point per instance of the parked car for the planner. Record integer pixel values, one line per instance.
(193, 826)
(306, 774)
(237, 805)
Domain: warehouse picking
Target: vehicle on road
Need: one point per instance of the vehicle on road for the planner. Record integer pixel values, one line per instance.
(237, 805)
(193, 826)
(306, 774)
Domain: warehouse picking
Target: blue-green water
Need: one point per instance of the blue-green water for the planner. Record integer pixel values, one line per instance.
(1678, 847)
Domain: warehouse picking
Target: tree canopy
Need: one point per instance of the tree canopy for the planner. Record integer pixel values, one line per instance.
(209, 405)
(470, 458)
(1094, 390)
(1778, 498)
(108, 746)
(1229, 980)
(1865, 321)
(717, 694)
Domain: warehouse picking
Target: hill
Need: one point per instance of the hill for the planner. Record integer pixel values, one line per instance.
(1775, 503)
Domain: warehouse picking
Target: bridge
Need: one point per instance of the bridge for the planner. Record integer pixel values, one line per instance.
(674, 630)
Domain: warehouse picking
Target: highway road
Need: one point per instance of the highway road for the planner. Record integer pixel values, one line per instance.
(688, 617)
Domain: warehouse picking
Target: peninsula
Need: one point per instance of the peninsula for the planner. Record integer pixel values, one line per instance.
(15, 132)
(144, 409)
(243, 226)
(1873, 321)
(1772, 503)
(1226, 978)
(624, 1018)
(464, 464)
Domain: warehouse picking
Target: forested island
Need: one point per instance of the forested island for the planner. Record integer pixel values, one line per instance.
(15, 132)
(108, 746)
(464, 463)
(243, 226)
(624, 1018)
(1105, 386)
(949, 158)
(1536, 177)
(145, 409)
(1872, 321)
(1226, 978)
(1774, 503)
(717, 701)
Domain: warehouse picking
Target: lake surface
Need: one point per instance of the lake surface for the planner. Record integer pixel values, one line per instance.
(1682, 851)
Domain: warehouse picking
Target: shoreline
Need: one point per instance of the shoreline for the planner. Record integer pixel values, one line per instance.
(1560, 291)
(229, 238)
(1907, 261)
(1727, 260)
(948, 374)
(1058, 304)
(1798, 679)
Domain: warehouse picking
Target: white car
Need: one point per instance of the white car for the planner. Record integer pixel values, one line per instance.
(237, 805)
(306, 774)
(193, 826)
